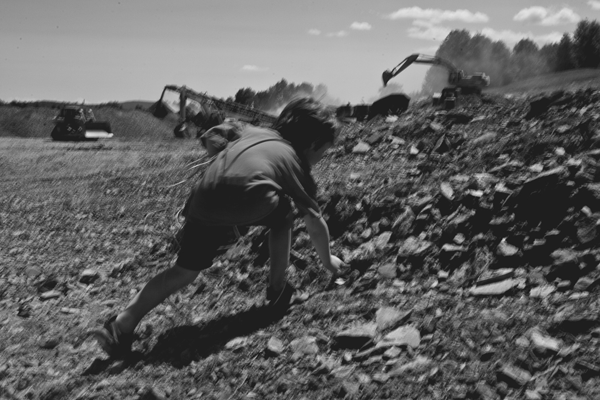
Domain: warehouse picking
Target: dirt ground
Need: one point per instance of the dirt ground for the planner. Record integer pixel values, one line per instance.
(471, 235)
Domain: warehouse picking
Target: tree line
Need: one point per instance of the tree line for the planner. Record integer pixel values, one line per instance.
(278, 95)
(478, 53)
(471, 53)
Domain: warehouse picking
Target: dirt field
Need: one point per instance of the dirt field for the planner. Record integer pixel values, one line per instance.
(471, 235)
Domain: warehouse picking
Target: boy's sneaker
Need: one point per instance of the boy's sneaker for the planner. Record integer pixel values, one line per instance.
(112, 341)
(280, 299)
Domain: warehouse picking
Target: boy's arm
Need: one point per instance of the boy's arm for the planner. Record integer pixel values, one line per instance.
(319, 235)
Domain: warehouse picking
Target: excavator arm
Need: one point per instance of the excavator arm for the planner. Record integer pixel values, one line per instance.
(419, 59)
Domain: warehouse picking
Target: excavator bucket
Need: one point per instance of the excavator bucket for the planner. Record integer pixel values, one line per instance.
(387, 75)
(159, 110)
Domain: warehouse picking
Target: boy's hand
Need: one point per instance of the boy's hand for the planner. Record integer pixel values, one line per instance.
(335, 266)
(338, 270)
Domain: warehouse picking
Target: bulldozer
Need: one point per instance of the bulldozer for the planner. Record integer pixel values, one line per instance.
(459, 82)
(74, 123)
(204, 111)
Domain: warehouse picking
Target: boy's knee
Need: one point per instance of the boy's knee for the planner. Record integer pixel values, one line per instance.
(285, 220)
(184, 275)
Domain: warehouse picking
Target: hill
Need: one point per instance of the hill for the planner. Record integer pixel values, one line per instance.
(567, 80)
(472, 238)
(33, 121)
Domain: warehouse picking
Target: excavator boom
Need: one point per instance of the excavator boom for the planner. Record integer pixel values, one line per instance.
(208, 103)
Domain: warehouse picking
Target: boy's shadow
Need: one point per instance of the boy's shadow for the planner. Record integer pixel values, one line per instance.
(181, 345)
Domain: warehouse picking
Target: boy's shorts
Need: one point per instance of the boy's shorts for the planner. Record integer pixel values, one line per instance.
(202, 243)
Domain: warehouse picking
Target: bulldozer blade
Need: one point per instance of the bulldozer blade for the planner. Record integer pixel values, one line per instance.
(96, 134)
(98, 130)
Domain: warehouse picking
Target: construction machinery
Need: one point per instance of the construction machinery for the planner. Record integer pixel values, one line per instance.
(76, 123)
(204, 111)
(459, 81)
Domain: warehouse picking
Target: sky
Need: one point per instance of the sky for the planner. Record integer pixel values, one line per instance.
(118, 50)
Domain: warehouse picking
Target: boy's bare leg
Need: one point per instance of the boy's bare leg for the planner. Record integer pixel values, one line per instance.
(156, 290)
(280, 243)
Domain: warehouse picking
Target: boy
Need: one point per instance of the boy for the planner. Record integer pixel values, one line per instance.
(248, 184)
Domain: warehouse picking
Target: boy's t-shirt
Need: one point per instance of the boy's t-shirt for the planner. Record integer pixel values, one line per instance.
(241, 186)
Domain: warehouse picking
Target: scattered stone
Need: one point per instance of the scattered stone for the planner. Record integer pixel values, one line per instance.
(51, 294)
(428, 325)
(349, 389)
(305, 345)
(274, 346)
(404, 336)
(494, 289)
(389, 317)
(392, 353)
(388, 271)
(420, 364)
(542, 292)
(24, 310)
(543, 342)
(484, 392)
(150, 393)
(513, 376)
(563, 286)
(370, 352)
(50, 343)
(380, 377)
(374, 138)
(357, 336)
(370, 250)
(450, 250)
(343, 372)
(590, 370)
(587, 230)
(414, 247)
(487, 137)
(89, 276)
(361, 148)
(447, 191)
(33, 271)
(237, 343)
(67, 310)
(496, 275)
(402, 226)
(487, 353)
(506, 250)
(583, 284)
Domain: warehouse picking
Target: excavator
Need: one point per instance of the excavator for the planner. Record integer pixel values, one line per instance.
(459, 81)
(204, 111)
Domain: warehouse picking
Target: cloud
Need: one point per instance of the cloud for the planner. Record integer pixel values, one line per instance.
(511, 38)
(254, 68)
(547, 16)
(314, 32)
(436, 15)
(338, 34)
(361, 26)
(427, 31)
(594, 4)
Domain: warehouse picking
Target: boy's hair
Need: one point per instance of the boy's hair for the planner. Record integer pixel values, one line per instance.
(304, 122)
